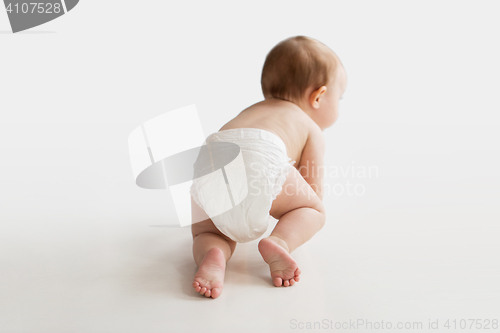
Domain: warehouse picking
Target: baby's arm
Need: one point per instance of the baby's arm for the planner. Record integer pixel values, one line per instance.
(311, 165)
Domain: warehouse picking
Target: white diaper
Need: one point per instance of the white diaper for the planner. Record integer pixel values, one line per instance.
(266, 165)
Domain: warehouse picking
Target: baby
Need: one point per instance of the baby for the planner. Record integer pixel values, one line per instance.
(302, 81)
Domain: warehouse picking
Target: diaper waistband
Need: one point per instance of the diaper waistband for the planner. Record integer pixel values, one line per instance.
(248, 133)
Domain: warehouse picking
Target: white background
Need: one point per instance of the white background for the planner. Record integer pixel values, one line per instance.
(77, 250)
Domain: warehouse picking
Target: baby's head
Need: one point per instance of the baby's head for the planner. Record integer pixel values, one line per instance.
(306, 72)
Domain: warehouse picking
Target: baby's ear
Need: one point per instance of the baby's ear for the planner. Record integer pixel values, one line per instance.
(316, 96)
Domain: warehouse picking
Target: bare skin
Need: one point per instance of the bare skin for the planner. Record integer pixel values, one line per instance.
(298, 208)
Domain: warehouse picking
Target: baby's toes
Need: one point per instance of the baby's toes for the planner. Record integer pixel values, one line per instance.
(208, 293)
(278, 282)
(196, 286)
(286, 283)
(215, 292)
(203, 290)
(292, 282)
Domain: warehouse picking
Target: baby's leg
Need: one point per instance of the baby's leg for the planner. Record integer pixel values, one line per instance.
(211, 251)
(301, 214)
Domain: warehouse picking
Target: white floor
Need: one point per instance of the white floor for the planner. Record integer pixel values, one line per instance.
(84, 250)
(79, 255)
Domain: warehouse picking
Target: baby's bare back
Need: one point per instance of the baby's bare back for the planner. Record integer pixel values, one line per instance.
(280, 117)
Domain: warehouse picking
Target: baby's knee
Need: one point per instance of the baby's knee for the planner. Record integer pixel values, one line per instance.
(320, 207)
(323, 220)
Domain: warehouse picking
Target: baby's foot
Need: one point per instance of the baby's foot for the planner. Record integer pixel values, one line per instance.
(284, 270)
(209, 279)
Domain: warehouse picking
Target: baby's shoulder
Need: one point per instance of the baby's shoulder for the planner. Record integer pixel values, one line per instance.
(300, 133)
(307, 126)
(315, 138)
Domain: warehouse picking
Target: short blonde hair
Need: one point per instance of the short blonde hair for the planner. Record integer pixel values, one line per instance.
(295, 65)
